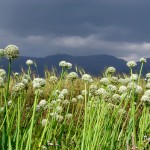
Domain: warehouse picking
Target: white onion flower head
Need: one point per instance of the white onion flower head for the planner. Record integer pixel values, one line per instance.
(122, 89)
(63, 64)
(29, 62)
(1, 109)
(11, 51)
(44, 122)
(138, 89)
(69, 65)
(25, 82)
(134, 77)
(64, 92)
(147, 92)
(80, 97)
(39, 92)
(83, 92)
(110, 70)
(61, 96)
(69, 116)
(72, 76)
(37, 107)
(145, 98)
(2, 73)
(86, 78)
(104, 81)
(2, 54)
(74, 100)
(131, 86)
(101, 91)
(59, 109)
(2, 84)
(116, 97)
(16, 74)
(93, 88)
(148, 85)
(18, 87)
(38, 83)
(42, 103)
(112, 88)
(148, 75)
(143, 60)
(131, 64)
(53, 79)
(65, 102)
(9, 102)
(59, 118)
(114, 79)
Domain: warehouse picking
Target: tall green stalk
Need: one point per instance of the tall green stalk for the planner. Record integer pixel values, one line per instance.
(4, 133)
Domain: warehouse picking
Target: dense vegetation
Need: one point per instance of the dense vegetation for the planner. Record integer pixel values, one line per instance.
(73, 110)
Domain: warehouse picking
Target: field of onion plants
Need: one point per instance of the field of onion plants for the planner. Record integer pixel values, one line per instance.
(73, 110)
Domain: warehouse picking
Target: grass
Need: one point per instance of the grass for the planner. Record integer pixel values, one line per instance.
(95, 121)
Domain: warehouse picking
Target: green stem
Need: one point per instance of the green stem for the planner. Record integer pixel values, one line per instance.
(140, 73)
(4, 133)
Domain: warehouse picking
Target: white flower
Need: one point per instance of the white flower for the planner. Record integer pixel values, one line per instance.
(83, 92)
(138, 89)
(2, 53)
(74, 100)
(93, 88)
(134, 77)
(2, 84)
(63, 64)
(131, 64)
(59, 118)
(39, 92)
(112, 88)
(61, 96)
(148, 85)
(25, 82)
(42, 103)
(53, 79)
(11, 51)
(148, 75)
(100, 91)
(16, 74)
(27, 77)
(37, 107)
(80, 97)
(147, 92)
(69, 65)
(65, 102)
(64, 92)
(59, 109)
(116, 97)
(104, 81)
(29, 62)
(44, 122)
(1, 109)
(114, 79)
(145, 98)
(38, 83)
(122, 89)
(110, 70)
(69, 116)
(131, 86)
(143, 60)
(18, 88)
(72, 76)
(86, 78)
(2, 73)
(9, 102)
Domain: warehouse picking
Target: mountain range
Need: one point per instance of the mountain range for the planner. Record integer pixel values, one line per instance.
(94, 64)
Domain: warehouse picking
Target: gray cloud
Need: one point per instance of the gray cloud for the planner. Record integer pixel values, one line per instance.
(80, 27)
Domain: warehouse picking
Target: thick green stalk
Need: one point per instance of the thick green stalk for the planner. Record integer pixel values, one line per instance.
(140, 73)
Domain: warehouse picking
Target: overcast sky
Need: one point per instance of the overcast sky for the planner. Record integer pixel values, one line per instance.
(77, 27)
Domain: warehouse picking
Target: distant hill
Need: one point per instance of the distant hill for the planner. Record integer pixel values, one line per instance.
(94, 64)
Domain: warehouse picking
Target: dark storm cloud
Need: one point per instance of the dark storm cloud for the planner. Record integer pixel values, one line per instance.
(50, 24)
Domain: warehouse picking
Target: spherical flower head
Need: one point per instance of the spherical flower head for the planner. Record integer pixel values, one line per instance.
(134, 77)
(104, 81)
(80, 97)
(63, 64)
(61, 96)
(143, 60)
(9, 102)
(53, 79)
(74, 100)
(110, 70)
(147, 92)
(42, 103)
(65, 102)
(25, 76)
(2, 73)
(2, 53)
(29, 62)
(44, 122)
(39, 92)
(101, 91)
(18, 88)
(86, 78)
(38, 83)
(59, 109)
(11, 51)
(138, 89)
(72, 76)
(83, 92)
(145, 98)
(2, 84)
(148, 85)
(116, 97)
(148, 75)
(93, 88)
(112, 88)
(59, 118)
(69, 116)
(114, 80)
(131, 64)
(122, 89)
(25, 82)
(69, 65)
(64, 92)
